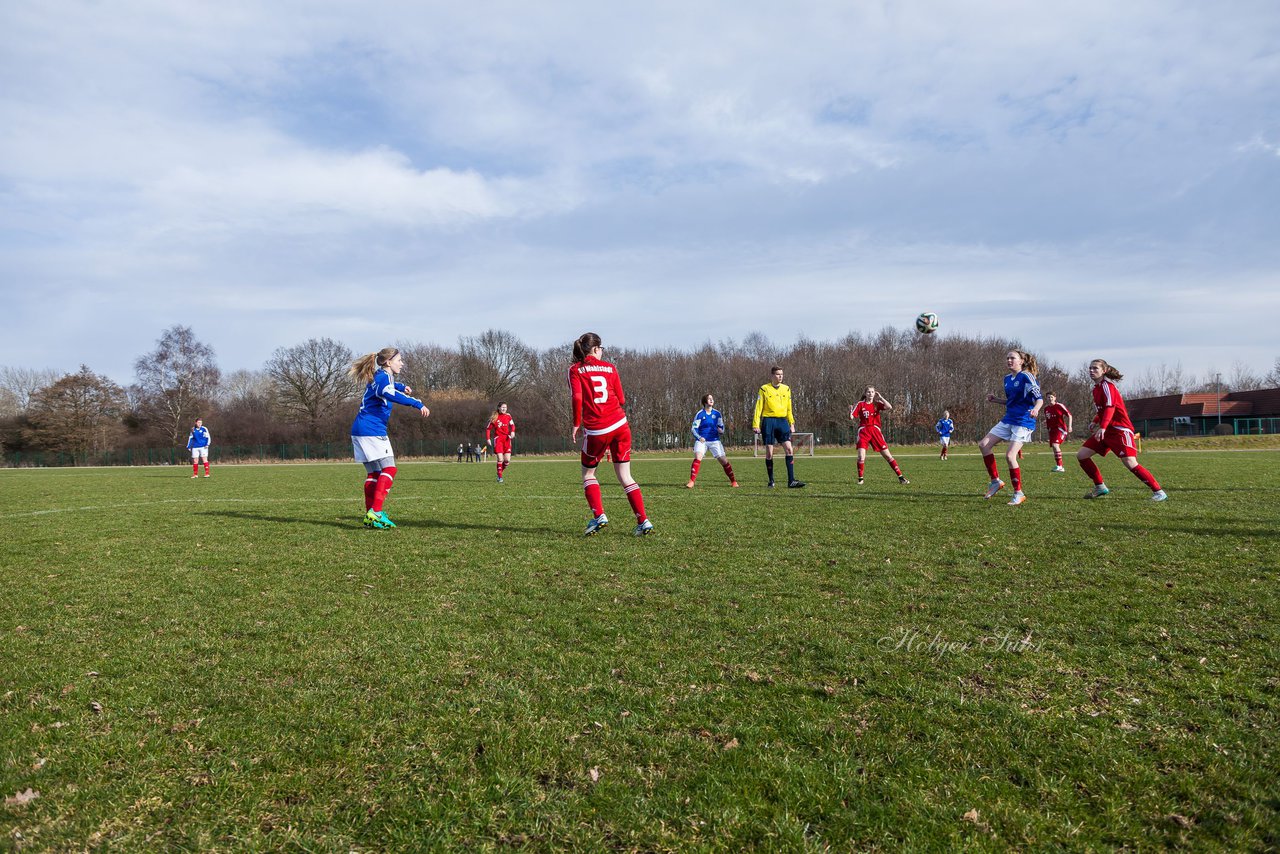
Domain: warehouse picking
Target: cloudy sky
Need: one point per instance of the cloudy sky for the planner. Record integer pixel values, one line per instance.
(1099, 180)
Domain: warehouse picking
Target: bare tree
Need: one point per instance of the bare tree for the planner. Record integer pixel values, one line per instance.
(1244, 379)
(17, 385)
(77, 414)
(310, 381)
(496, 362)
(176, 380)
(1273, 377)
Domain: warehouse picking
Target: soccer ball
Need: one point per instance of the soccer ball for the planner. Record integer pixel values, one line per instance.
(927, 322)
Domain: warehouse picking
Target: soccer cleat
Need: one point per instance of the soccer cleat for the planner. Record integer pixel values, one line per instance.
(1159, 495)
(194, 476)
(1017, 499)
(596, 524)
(996, 486)
(644, 529)
(1058, 469)
(902, 479)
(374, 519)
(859, 481)
(1098, 491)
(796, 484)
(689, 485)
(206, 475)
(771, 484)
(382, 517)
(734, 484)
(500, 479)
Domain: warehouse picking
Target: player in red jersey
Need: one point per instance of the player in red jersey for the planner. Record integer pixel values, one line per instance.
(498, 433)
(1057, 421)
(867, 413)
(597, 412)
(1113, 431)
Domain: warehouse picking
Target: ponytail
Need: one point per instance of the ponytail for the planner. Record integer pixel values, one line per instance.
(586, 342)
(1107, 370)
(363, 369)
(1029, 363)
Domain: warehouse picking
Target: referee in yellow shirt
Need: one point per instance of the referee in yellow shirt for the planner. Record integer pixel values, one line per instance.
(774, 419)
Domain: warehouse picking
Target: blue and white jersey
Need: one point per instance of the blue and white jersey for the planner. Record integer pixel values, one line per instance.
(1021, 391)
(708, 425)
(375, 409)
(199, 438)
(945, 427)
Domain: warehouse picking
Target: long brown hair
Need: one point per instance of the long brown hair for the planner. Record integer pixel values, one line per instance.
(497, 410)
(586, 342)
(363, 369)
(1029, 363)
(1107, 370)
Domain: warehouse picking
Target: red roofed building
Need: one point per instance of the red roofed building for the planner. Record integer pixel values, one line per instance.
(1199, 414)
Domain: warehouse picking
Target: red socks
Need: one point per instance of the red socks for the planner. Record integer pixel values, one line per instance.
(636, 500)
(195, 469)
(990, 460)
(385, 479)
(693, 469)
(862, 467)
(591, 487)
(893, 464)
(728, 469)
(1015, 475)
(1146, 477)
(1057, 458)
(1091, 469)
(370, 487)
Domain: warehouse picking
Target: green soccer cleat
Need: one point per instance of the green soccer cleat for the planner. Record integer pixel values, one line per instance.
(1098, 491)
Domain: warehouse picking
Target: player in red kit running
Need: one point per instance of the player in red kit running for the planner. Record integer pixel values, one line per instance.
(498, 433)
(1113, 431)
(867, 413)
(1057, 422)
(597, 412)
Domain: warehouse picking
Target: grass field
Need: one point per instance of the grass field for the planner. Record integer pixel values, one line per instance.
(234, 663)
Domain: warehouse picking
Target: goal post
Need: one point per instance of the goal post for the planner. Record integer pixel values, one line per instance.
(801, 443)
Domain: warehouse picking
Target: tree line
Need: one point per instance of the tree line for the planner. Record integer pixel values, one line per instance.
(303, 393)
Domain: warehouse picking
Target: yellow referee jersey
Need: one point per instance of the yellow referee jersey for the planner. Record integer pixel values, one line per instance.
(773, 403)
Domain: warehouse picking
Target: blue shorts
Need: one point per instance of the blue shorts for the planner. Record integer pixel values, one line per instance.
(775, 430)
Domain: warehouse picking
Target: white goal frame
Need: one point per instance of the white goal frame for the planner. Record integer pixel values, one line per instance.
(798, 442)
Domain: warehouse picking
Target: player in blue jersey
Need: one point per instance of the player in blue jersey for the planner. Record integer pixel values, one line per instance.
(945, 428)
(369, 431)
(1023, 403)
(198, 445)
(708, 427)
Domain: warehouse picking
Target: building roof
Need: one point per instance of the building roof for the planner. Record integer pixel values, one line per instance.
(1261, 403)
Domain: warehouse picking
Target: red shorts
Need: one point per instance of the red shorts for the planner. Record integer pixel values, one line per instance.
(618, 442)
(1057, 437)
(1115, 440)
(501, 445)
(871, 437)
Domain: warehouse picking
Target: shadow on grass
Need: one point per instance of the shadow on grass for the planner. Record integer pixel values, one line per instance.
(354, 524)
(1198, 530)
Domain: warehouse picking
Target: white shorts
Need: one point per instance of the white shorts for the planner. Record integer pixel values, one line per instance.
(716, 448)
(946, 440)
(200, 453)
(370, 449)
(1010, 433)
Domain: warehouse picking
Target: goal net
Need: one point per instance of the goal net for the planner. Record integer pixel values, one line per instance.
(801, 443)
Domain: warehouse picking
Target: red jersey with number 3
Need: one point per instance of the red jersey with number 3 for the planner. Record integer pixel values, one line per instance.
(868, 414)
(597, 396)
(1107, 396)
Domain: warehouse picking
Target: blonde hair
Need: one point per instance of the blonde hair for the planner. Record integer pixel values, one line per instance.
(363, 369)
(1107, 370)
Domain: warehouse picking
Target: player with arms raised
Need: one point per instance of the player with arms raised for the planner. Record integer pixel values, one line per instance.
(597, 405)
(1057, 421)
(498, 433)
(708, 427)
(369, 439)
(1113, 431)
(867, 413)
(1023, 402)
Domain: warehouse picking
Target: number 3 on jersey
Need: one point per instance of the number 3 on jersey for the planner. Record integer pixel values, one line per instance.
(602, 388)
